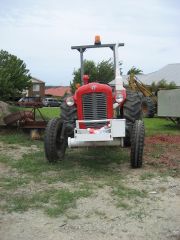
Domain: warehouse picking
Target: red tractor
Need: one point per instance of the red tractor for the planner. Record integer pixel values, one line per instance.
(97, 115)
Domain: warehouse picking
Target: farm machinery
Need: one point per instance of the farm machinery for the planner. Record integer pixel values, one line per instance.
(97, 115)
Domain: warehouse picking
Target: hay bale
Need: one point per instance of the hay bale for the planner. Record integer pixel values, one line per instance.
(4, 110)
(35, 135)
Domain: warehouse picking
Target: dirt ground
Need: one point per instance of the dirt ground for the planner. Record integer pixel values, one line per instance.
(100, 219)
(97, 217)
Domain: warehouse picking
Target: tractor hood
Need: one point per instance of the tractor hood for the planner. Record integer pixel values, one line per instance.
(93, 87)
(94, 101)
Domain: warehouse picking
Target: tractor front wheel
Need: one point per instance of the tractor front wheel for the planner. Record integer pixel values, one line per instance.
(54, 143)
(137, 144)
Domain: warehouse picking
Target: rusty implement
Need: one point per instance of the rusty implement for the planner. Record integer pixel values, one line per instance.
(27, 119)
(13, 118)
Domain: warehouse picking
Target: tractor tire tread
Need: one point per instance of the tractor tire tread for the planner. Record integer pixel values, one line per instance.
(68, 113)
(132, 111)
(148, 102)
(137, 144)
(132, 106)
(50, 138)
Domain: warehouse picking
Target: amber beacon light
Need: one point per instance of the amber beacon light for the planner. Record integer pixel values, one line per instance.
(97, 39)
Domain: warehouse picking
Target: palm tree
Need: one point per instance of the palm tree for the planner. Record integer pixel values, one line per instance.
(134, 71)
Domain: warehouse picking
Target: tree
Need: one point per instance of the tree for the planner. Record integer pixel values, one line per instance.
(134, 71)
(14, 77)
(102, 72)
(162, 85)
(105, 71)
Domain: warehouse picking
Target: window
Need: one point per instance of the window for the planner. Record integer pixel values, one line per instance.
(36, 87)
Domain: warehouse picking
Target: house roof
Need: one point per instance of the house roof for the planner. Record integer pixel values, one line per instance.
(58, 91)
(170, 73)
(35, 80)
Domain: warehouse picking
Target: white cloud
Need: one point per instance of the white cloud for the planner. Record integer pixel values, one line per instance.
(42, 32)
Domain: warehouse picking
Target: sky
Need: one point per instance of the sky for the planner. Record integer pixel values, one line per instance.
(41, 32)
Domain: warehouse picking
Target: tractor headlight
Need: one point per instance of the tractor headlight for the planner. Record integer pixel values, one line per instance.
(119, 97)
(70, 101)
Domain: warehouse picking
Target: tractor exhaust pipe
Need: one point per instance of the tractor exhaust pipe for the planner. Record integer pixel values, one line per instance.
(73, 143)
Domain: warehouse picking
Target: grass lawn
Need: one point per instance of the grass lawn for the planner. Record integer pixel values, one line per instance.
(47, 112)
(83, 171)
(156, 126)
(50, 112)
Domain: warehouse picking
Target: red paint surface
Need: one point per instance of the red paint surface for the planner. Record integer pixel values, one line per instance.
(90, 88)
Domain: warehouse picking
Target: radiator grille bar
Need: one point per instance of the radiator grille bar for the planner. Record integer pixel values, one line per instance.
(94, 108)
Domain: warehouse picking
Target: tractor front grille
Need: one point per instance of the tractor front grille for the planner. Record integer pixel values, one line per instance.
(94, 108)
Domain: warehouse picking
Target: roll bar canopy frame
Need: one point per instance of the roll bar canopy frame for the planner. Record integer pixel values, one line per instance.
(112, 46)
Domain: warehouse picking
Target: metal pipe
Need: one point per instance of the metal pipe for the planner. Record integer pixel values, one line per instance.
(73, 143)
(116, 61)
(115, 64)
(111, 45)
(82, 65)
(118, 77)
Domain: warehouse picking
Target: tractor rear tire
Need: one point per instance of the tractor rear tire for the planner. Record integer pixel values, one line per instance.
(132, 111)
(148, 107)
(55, 147)
(137, 144)
(69, 116)
(68, 113)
